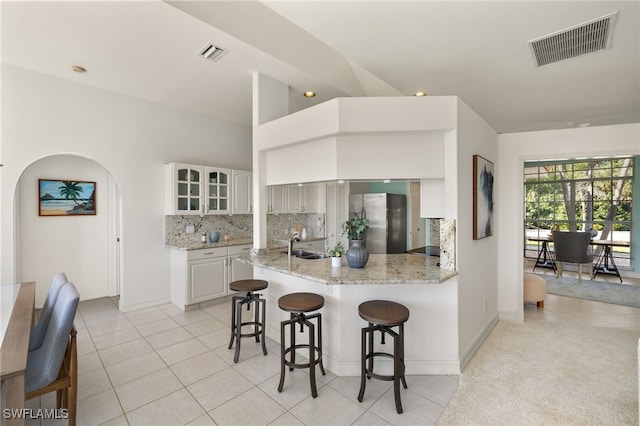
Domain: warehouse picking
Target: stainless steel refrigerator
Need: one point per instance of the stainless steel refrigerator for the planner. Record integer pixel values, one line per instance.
(387, 215)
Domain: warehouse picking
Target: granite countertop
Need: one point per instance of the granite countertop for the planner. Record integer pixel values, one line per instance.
(234, 242)
(208, 245)
(380, 269)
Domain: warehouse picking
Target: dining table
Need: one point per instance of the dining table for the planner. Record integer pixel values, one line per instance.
(18, 305)
(604, 263)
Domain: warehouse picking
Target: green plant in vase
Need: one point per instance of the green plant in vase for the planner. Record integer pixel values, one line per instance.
(356, 228)
(336, 251)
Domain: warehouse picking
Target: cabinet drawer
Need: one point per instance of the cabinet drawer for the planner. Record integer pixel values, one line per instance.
(206, 253)
(241, 249)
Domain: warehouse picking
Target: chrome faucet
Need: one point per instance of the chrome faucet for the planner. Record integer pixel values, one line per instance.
(294, 237)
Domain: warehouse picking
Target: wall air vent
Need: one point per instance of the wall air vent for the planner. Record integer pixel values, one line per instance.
(592, 36)
(212, 53)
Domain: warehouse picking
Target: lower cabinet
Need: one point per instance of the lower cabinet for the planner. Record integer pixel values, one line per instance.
(201, 275)
(239, 270)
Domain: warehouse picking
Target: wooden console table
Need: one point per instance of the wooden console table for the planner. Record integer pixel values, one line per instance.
(15, 347)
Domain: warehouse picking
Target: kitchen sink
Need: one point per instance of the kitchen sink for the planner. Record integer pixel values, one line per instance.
(309, 255)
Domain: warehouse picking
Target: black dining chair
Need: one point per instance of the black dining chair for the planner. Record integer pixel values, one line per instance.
(572, 247)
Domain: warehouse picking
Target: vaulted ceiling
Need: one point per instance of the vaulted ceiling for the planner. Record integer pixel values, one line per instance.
(476, 50)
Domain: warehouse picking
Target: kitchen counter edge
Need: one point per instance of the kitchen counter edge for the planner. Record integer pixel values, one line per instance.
(381, 269)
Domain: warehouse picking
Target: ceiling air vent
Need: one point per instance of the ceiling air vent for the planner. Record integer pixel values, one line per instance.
(211, 52)
(576, 41)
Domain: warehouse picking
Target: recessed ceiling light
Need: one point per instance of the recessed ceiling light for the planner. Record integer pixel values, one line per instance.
(420, 94)
(78, 69)
(309, 94)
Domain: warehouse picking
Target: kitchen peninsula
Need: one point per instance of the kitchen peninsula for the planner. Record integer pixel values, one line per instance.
(428, 291)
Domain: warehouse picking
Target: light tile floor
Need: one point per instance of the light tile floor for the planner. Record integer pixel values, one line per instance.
(163, 366)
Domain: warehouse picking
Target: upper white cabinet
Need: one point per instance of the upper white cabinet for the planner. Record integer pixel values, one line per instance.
(242, 191)
(218, 187)
(433, 199)
(204, 190)
(302, 199)
(292, 198)
(277, 199)
(185, 192)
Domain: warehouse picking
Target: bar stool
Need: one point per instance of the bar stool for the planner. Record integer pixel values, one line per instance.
(298, 304)
(236, 313)
(383, 315)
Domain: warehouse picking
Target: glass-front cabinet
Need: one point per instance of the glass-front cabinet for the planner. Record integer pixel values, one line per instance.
(197, 190)
(186, 185)
(218, 190)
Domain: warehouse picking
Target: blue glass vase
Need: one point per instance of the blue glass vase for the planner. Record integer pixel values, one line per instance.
(214, 236)
(357, 255)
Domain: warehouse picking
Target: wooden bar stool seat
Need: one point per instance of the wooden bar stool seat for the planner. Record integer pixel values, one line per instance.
(250, 286)
(298, 305)
(383, 316)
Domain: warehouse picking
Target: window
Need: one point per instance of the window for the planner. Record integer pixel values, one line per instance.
(580, 195)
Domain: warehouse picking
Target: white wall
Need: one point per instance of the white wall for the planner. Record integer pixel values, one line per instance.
(514, 150)
(78, 245)
(477, 260)
(132, 139)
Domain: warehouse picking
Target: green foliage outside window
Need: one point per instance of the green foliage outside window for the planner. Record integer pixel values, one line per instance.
(579, 195)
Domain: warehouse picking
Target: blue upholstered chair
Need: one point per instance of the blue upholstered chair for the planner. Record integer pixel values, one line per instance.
(38, 330)
(54, 365)
(572, 247)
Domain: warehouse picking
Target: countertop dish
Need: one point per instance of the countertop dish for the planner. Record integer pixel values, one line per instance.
(380, 269)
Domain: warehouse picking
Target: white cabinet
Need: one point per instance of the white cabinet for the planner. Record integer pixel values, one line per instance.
(433, 200)
(302, 198)
(206, 279)
(242, 191)
(205, 274)
(197, 190)
(218, 190)
(198, 275)
(184, 189)
(292, 198)
(277, 199)
(239, 270)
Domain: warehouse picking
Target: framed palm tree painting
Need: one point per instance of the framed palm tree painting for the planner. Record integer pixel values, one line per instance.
(66, 197)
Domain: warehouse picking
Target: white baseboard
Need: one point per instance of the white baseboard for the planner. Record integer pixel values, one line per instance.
(477, 342)
(141, 305)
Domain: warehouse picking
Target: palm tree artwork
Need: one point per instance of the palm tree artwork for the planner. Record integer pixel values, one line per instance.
(66, 197)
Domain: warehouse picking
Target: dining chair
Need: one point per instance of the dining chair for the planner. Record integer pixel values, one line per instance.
(38, 330)
(572, 247)
(54, 365)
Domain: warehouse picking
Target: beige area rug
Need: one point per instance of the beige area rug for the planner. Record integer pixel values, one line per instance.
(548, 373)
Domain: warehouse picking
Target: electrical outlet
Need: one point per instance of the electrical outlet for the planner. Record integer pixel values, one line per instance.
(190, 229)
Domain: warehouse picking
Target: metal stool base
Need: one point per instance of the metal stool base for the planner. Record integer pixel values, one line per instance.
(258, 323)
(367, 360)
(315, 352)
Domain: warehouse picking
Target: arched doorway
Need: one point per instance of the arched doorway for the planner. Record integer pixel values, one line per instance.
(85, 247)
